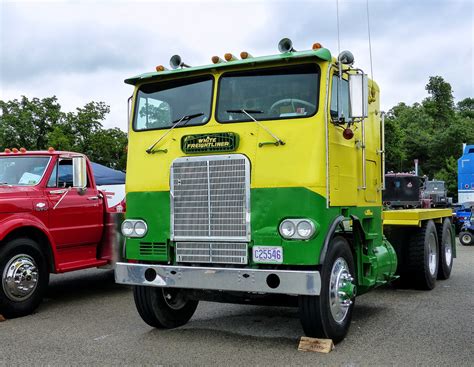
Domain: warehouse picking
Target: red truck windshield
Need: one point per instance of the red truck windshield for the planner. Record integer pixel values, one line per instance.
(23, 171)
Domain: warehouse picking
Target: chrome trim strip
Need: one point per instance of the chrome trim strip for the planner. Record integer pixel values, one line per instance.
(222, 279)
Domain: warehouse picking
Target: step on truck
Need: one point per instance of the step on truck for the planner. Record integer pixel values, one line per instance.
(259, 180)
(53, 219)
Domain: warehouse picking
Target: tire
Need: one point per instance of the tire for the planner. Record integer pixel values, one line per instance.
(466, 238)
(446, 247)
(317, 317)
(163, 308)
(22, 258)
(423, 255)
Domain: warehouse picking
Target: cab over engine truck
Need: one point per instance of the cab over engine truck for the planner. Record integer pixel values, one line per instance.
(260, 179)
(53, 219)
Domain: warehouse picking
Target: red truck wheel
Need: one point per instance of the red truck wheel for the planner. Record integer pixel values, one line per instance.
(25, 277)
(329, 314)
(163, 308)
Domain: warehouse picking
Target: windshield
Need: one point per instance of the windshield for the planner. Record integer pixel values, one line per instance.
(435, 186)
(24, 171)
(276, 93)
(160, 104)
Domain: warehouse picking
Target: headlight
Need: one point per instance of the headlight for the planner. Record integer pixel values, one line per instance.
(305, 229)
(287, 229)
(297, 229)
(127, 228)
(140, 228)
(134, 228)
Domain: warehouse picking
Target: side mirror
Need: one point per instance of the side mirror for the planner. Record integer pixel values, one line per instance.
(358, 95)
(79, 172)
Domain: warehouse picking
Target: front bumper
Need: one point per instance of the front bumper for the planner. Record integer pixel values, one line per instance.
(222, 279)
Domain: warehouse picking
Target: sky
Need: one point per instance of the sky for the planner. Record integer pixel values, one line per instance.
(82, 50)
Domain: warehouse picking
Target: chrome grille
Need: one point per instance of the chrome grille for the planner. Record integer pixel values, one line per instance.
(210, 198)
(211, 252)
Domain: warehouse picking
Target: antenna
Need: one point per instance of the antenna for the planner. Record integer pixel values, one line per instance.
(370, 43)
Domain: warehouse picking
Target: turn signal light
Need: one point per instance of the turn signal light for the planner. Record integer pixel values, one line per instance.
(316, 46)
(230, 57)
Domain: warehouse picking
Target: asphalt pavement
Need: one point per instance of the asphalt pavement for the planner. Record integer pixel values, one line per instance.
(86, 319)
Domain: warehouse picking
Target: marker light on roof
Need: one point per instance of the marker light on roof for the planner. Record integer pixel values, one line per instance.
(50, 149)
(216, 60)
(316, 46)
(23, 150)
(245, 55)
(7, 150)
(229, 57)
(15, 150)
(160, 68)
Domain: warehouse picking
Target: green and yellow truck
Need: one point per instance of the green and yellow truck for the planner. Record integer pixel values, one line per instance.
(259, 179)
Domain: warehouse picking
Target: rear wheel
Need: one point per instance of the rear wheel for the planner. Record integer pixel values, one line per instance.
(24, 277)
(423, 254)
(329, 314)
(163, 308)
(446, 246)
(466, 238)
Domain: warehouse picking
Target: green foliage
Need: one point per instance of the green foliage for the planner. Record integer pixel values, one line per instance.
(39, 123)
(432, 132)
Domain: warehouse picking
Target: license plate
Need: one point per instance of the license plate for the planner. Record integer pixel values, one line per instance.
(268, 254)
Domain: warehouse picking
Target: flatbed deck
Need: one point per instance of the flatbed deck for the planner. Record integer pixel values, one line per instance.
(414, 217)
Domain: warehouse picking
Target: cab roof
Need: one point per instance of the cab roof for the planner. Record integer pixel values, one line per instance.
(321, 53)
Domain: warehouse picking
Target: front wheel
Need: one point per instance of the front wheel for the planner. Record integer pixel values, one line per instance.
(25, 276)
(163, 308)
(329, 314)
(466, 238)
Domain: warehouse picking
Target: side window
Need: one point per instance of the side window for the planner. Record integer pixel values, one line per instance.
(344, 102)
(53, 180)
(153, 114)
(65, 173)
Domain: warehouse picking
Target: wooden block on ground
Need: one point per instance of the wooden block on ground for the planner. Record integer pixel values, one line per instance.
(2, 318)
(315, 345)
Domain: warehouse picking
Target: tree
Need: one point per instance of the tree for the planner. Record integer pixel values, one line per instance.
(39, 123)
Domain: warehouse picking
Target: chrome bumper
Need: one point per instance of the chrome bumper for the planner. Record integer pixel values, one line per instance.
(224, 279)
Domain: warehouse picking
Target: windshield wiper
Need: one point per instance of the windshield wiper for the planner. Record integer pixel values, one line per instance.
(248, 113)
(175, 123)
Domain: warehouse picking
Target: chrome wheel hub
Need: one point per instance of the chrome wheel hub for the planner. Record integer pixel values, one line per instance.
(20, 278)
(432, 256)
(341, 290)
(448, 252)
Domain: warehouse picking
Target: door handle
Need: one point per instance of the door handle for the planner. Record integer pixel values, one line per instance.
(93, 198)
(58, 192)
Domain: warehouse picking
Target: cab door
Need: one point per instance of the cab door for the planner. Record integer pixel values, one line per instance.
(75, 214)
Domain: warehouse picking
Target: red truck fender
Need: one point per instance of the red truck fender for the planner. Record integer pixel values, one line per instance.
(27, 225)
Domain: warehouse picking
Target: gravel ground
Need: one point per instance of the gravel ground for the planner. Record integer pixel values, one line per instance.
(86, 319)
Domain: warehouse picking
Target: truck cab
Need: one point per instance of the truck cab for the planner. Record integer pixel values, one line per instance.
(53, 219)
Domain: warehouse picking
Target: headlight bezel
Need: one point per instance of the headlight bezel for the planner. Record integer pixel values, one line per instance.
(133, 223)
(296, 222)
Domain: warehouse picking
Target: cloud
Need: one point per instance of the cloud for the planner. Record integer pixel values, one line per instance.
(83, 50)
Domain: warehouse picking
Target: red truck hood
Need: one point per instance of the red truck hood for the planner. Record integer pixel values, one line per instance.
(15, 199)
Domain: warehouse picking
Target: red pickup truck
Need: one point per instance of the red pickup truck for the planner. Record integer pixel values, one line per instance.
(53, 219)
